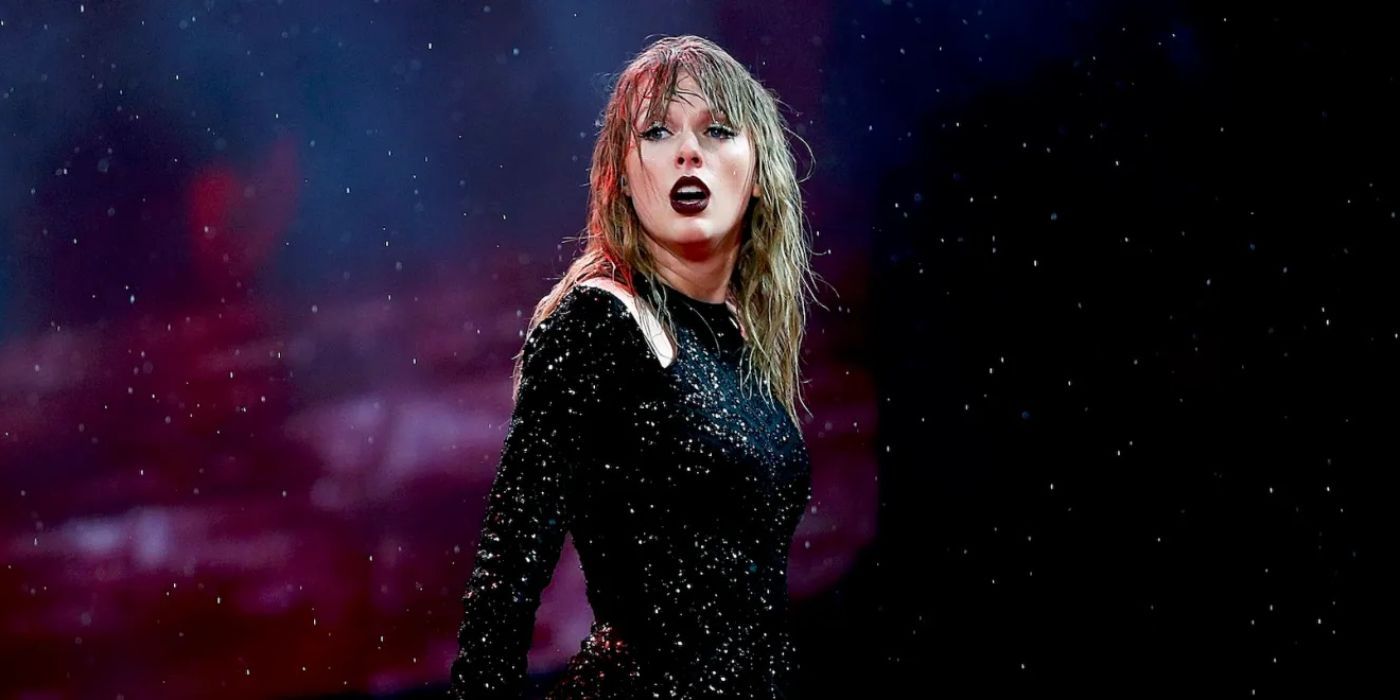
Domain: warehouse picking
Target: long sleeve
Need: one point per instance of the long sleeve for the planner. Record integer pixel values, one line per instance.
(564, 374)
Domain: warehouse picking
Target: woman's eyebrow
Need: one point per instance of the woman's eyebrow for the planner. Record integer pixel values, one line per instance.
(704, 114)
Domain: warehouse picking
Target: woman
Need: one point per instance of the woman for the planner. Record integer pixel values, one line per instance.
(655, 413)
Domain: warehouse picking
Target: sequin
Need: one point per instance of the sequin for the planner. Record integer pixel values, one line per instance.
(681, 492)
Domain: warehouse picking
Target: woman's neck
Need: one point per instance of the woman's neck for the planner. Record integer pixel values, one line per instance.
(705, 280)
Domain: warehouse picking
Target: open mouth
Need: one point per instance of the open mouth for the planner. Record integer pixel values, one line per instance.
(690, 195)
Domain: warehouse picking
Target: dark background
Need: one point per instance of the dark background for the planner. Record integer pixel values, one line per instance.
(1103, 380)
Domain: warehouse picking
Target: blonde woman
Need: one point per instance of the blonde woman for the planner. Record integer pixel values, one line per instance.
(656, 404)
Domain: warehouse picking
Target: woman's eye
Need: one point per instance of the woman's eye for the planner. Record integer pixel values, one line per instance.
(716, 130)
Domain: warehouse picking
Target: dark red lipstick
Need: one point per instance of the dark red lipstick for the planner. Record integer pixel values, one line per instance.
(690, 195)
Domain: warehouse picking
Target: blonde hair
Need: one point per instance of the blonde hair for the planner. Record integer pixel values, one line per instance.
(770, 284)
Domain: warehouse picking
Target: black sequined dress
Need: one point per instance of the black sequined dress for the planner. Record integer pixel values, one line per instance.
(681, 493)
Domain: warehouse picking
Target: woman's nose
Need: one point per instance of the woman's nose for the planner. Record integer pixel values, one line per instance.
(690, 151)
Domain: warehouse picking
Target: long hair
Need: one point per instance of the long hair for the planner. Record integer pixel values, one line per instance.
(769, 287)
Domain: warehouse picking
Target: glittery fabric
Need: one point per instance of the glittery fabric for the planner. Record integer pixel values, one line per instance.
(681, 492)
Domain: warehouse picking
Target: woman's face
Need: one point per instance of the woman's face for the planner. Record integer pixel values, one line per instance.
(690, 143)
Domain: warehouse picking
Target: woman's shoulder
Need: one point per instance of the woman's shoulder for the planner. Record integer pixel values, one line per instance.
(595, 319)
(588, 308)
(633, 320)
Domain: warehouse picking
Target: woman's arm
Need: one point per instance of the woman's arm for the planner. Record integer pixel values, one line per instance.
(564, 375)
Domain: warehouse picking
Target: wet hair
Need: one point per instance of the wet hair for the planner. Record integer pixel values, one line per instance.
(772, 276)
